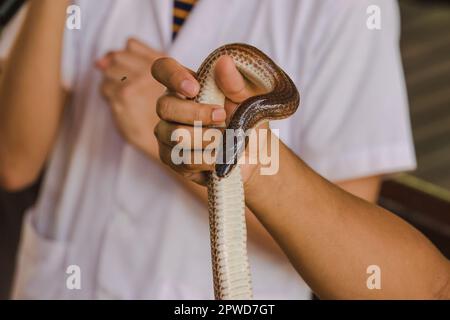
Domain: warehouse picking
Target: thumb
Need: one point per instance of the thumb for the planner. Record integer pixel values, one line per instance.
(230, 80)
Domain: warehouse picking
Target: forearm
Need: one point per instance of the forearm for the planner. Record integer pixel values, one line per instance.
(367, 188)
(30, 92)
(332, 237)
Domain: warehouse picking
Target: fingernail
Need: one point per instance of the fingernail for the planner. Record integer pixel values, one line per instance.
(189, 88)
(219, 115)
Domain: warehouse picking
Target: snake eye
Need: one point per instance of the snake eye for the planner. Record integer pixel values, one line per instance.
(230, 152)
(224, 170)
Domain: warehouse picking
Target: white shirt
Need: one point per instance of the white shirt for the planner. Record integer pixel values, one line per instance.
(136, 232)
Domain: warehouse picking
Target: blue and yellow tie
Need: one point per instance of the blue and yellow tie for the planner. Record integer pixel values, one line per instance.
(181, 11)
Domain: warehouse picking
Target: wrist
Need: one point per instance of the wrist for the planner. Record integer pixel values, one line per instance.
(265, 177)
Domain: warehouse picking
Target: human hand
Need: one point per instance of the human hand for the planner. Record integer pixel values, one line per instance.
(177, 112)
(132, 93)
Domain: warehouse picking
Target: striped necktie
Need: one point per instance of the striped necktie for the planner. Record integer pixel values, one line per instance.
(181, 11)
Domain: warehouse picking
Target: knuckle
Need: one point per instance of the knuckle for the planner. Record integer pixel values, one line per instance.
(189, 175)
(203, 114)
(162, 107)
(189, 168)
(115, 57)
(168, 134)
(197, 114)
(131, 42)
(156, 131)
(179, 136)
(178, 128)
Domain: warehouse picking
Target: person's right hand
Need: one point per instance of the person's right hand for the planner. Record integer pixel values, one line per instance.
(177, 112)
(132, 94)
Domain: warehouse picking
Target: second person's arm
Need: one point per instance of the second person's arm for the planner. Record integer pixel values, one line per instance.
(31, 94)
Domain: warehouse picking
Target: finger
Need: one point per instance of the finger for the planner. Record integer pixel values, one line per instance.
(118, 73)
(138, 47)
(135, 62)
(174, 109)
(187, 137)
(175, 77)
(165, 155)
(230, 80)
(199, 177)
(185, 168)
(105, 61)
(131, 61)
(120, 64)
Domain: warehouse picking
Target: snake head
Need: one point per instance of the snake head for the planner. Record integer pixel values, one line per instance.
(224, 170)
(234, 143)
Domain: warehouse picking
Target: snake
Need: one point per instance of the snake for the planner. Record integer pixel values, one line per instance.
(226, 201)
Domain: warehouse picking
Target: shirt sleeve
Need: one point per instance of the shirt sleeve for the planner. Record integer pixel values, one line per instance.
(354, 118)
(69, 49)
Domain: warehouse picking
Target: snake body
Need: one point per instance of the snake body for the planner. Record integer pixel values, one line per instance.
(231, 270)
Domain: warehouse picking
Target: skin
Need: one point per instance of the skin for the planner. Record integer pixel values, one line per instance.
(29, 122)
(330, 236)
(129, 99)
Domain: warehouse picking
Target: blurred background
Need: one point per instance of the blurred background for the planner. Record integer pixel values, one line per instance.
(426, 57)
(421, 197)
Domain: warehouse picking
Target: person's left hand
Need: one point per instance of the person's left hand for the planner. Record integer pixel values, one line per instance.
(132, 93)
